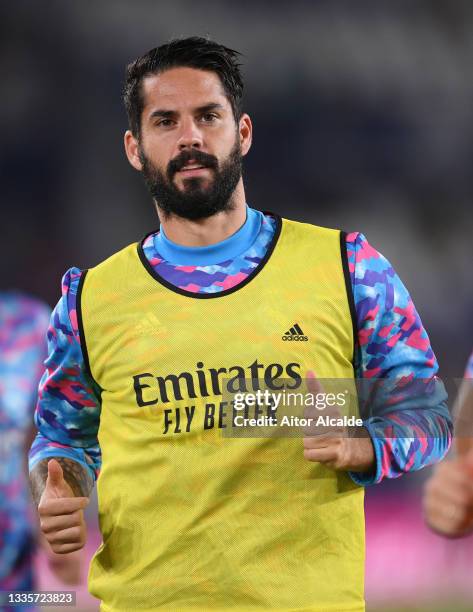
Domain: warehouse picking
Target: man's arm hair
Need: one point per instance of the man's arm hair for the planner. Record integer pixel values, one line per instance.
(76, 476)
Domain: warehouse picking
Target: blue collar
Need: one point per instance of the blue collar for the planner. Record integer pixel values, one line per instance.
(231, 247)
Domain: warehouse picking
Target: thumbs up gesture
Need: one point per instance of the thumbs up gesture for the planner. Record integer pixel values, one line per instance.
(333, 446)
(61, 513)
(448, 497)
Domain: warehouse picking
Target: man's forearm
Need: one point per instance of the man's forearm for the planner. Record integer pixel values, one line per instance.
(76, 476)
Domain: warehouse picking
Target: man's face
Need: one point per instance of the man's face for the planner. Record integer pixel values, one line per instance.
(190, 144)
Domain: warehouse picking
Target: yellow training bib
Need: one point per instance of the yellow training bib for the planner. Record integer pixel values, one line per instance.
(191, 519)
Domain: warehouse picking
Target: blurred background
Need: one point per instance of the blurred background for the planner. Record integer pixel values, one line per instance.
(363, 120)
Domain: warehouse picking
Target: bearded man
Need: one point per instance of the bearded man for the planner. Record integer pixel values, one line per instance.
(143, 343)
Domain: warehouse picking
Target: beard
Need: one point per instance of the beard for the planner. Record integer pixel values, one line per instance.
(195, 200)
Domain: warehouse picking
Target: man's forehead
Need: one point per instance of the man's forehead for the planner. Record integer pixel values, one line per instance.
(182, 87)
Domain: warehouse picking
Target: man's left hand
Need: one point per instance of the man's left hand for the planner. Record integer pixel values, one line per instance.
(337, 447)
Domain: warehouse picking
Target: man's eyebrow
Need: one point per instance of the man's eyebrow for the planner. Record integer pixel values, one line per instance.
(168, 114)
(209, 107)
(159, 112)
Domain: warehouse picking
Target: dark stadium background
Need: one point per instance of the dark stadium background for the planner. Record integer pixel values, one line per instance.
(363, 119)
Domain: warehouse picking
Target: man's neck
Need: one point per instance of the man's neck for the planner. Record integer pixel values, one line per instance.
(204, 232)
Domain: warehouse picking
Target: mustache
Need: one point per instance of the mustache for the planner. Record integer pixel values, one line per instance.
(181, 160)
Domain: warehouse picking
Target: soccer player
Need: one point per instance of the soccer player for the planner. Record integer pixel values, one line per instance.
(23, 324)
(448, 496)
(141, 344)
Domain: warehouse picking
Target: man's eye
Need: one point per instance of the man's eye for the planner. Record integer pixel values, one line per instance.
(165, 123)
(209, 117)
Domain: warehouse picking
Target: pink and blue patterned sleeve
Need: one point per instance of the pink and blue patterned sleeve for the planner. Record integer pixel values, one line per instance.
(405, 404)
(68, 409)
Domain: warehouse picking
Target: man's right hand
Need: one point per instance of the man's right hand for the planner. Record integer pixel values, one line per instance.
(61, 513)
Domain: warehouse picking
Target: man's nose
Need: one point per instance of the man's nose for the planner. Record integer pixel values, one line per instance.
(190, 136)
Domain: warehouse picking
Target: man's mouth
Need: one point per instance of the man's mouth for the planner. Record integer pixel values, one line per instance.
(193, 169)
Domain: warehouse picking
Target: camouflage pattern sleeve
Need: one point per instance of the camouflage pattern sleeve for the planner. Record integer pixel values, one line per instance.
(68, 409)
(407, 415)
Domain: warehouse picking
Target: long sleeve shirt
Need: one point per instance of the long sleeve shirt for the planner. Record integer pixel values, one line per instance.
(409, 424)
(23, 323)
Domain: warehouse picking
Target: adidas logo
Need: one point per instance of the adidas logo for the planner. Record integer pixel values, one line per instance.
(150, 324)
(295, 334)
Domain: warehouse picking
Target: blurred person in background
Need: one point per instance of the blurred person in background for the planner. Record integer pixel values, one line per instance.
(23, 324)
(190, 520)
(448, 496)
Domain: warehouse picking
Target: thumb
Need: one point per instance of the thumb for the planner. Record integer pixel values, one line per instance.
(313, 384)
(315, 387)
(55, 483)
(55, 473)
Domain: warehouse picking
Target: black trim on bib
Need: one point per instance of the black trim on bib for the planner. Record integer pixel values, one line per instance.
(351, 299)
(80, 325)
(206, 296)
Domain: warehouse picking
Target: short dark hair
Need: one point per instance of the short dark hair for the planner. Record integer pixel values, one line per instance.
(193, 52)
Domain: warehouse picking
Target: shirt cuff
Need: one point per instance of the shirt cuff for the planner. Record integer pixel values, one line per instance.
(375, 475)
(76, 454)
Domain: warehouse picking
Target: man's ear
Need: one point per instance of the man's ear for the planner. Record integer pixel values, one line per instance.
(245, 130)
(132, 150)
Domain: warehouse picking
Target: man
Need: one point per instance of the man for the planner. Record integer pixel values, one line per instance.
(448, 496)
(222, 297)
(23, 324)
